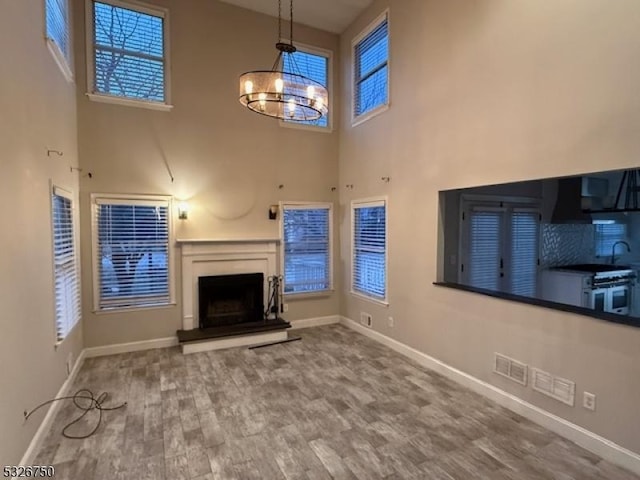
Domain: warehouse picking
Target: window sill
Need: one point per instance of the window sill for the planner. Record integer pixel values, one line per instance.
(362, 296)
(128, 102)
(115, 310)
(611, 317)
(360, 119)
(60, 60)
(59, 343)
(307, 295)
(309, 128)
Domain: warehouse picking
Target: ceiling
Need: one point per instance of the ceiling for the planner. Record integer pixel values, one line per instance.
(330, 15)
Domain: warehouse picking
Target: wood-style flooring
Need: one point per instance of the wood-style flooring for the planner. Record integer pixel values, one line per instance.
(334, 405)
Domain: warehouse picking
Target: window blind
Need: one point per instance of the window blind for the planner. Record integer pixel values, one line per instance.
(485, 248)
(57, 19)
(65, 267)
(525, 239)
(307, 249)
(606, 235)
(369, 250)
(315, 67)
(128, 53)
(132, 252)
(371, 56)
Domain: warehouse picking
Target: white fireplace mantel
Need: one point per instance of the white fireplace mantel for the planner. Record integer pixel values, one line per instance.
(205, 257)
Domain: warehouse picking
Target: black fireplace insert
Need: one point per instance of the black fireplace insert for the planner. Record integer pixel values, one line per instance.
(230, 299)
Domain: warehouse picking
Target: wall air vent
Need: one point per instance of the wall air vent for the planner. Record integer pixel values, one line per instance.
(557, 388)
(510, 368)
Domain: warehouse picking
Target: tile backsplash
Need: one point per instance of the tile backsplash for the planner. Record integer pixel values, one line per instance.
(567, 244)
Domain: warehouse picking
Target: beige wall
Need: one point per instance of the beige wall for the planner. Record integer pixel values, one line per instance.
(227, 162)
(38, 112)
(486, 92)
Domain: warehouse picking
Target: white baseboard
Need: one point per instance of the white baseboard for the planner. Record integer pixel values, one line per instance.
(130, 347)
(606, 449)
(314, 322)
(46, 424)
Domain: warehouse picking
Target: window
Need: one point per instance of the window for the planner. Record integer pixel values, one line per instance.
(608, 233)
(369, 249)
(128, 54)
(58, 35)
(371, 69)
(306, 234)
(500, 249)
(65, 264)
(132, 256)
(314, 65)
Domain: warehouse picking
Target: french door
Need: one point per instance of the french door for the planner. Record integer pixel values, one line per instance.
(499, 248)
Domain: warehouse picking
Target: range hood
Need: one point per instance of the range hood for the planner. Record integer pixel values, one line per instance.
(568, 207)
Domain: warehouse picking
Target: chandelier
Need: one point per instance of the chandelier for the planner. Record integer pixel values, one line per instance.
(287, 95)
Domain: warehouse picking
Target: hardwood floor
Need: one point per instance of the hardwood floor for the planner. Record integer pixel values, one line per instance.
(334, 405)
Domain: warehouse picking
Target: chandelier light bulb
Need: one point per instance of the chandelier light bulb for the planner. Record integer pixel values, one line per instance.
(279, 85)
(292, 107)
(262, 97)
(311, 91)
(248, 87)
(319, 103)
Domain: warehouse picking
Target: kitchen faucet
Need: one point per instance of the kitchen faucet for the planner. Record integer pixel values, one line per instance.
(613, 250)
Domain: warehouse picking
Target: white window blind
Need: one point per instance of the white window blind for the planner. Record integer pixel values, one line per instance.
(606, 235)
(371, 56)
(307, 248)
(525, 240)
(370, 249)
(132, 246)
(65, 266)
(57, 20)
(129, 52)
(485, 248)
(313, 66)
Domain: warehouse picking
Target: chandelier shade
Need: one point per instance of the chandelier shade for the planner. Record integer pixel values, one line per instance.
(287, 95)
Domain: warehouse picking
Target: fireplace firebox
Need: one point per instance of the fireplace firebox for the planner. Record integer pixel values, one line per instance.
(225, 300)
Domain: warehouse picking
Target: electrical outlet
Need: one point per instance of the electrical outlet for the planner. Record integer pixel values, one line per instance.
(589, 401)
(285, 307)
(391, 322)
(366, 319)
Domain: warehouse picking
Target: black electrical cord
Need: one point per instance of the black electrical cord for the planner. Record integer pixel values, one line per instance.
(95, 403)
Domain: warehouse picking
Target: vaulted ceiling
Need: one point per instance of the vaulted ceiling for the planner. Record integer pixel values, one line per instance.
(330, 15)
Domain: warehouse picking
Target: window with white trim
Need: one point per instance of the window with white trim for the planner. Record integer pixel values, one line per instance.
(314, 65)
(66, 275)
(58, 33)
(128, 51)
(500, 249)
(307, 252)
(369, 249)
(371, 68)
(132, 254)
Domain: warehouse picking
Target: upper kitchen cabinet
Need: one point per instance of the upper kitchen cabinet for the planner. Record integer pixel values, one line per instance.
(571, 243)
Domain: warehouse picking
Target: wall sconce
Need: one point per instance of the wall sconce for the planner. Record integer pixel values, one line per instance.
(273, 212)
(183, 210)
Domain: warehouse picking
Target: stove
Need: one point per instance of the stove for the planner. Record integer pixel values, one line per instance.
(602, 287)
(601, 272)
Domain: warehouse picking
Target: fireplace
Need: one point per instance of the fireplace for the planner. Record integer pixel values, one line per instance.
(225, 300)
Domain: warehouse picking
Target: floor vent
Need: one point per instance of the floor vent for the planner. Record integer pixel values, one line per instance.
(510, 368)
(558, 388)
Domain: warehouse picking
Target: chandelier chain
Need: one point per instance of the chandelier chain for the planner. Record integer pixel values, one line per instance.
(291, 22)
(279, 20)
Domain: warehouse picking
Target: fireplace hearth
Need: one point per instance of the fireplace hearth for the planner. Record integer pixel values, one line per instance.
(227, 300)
